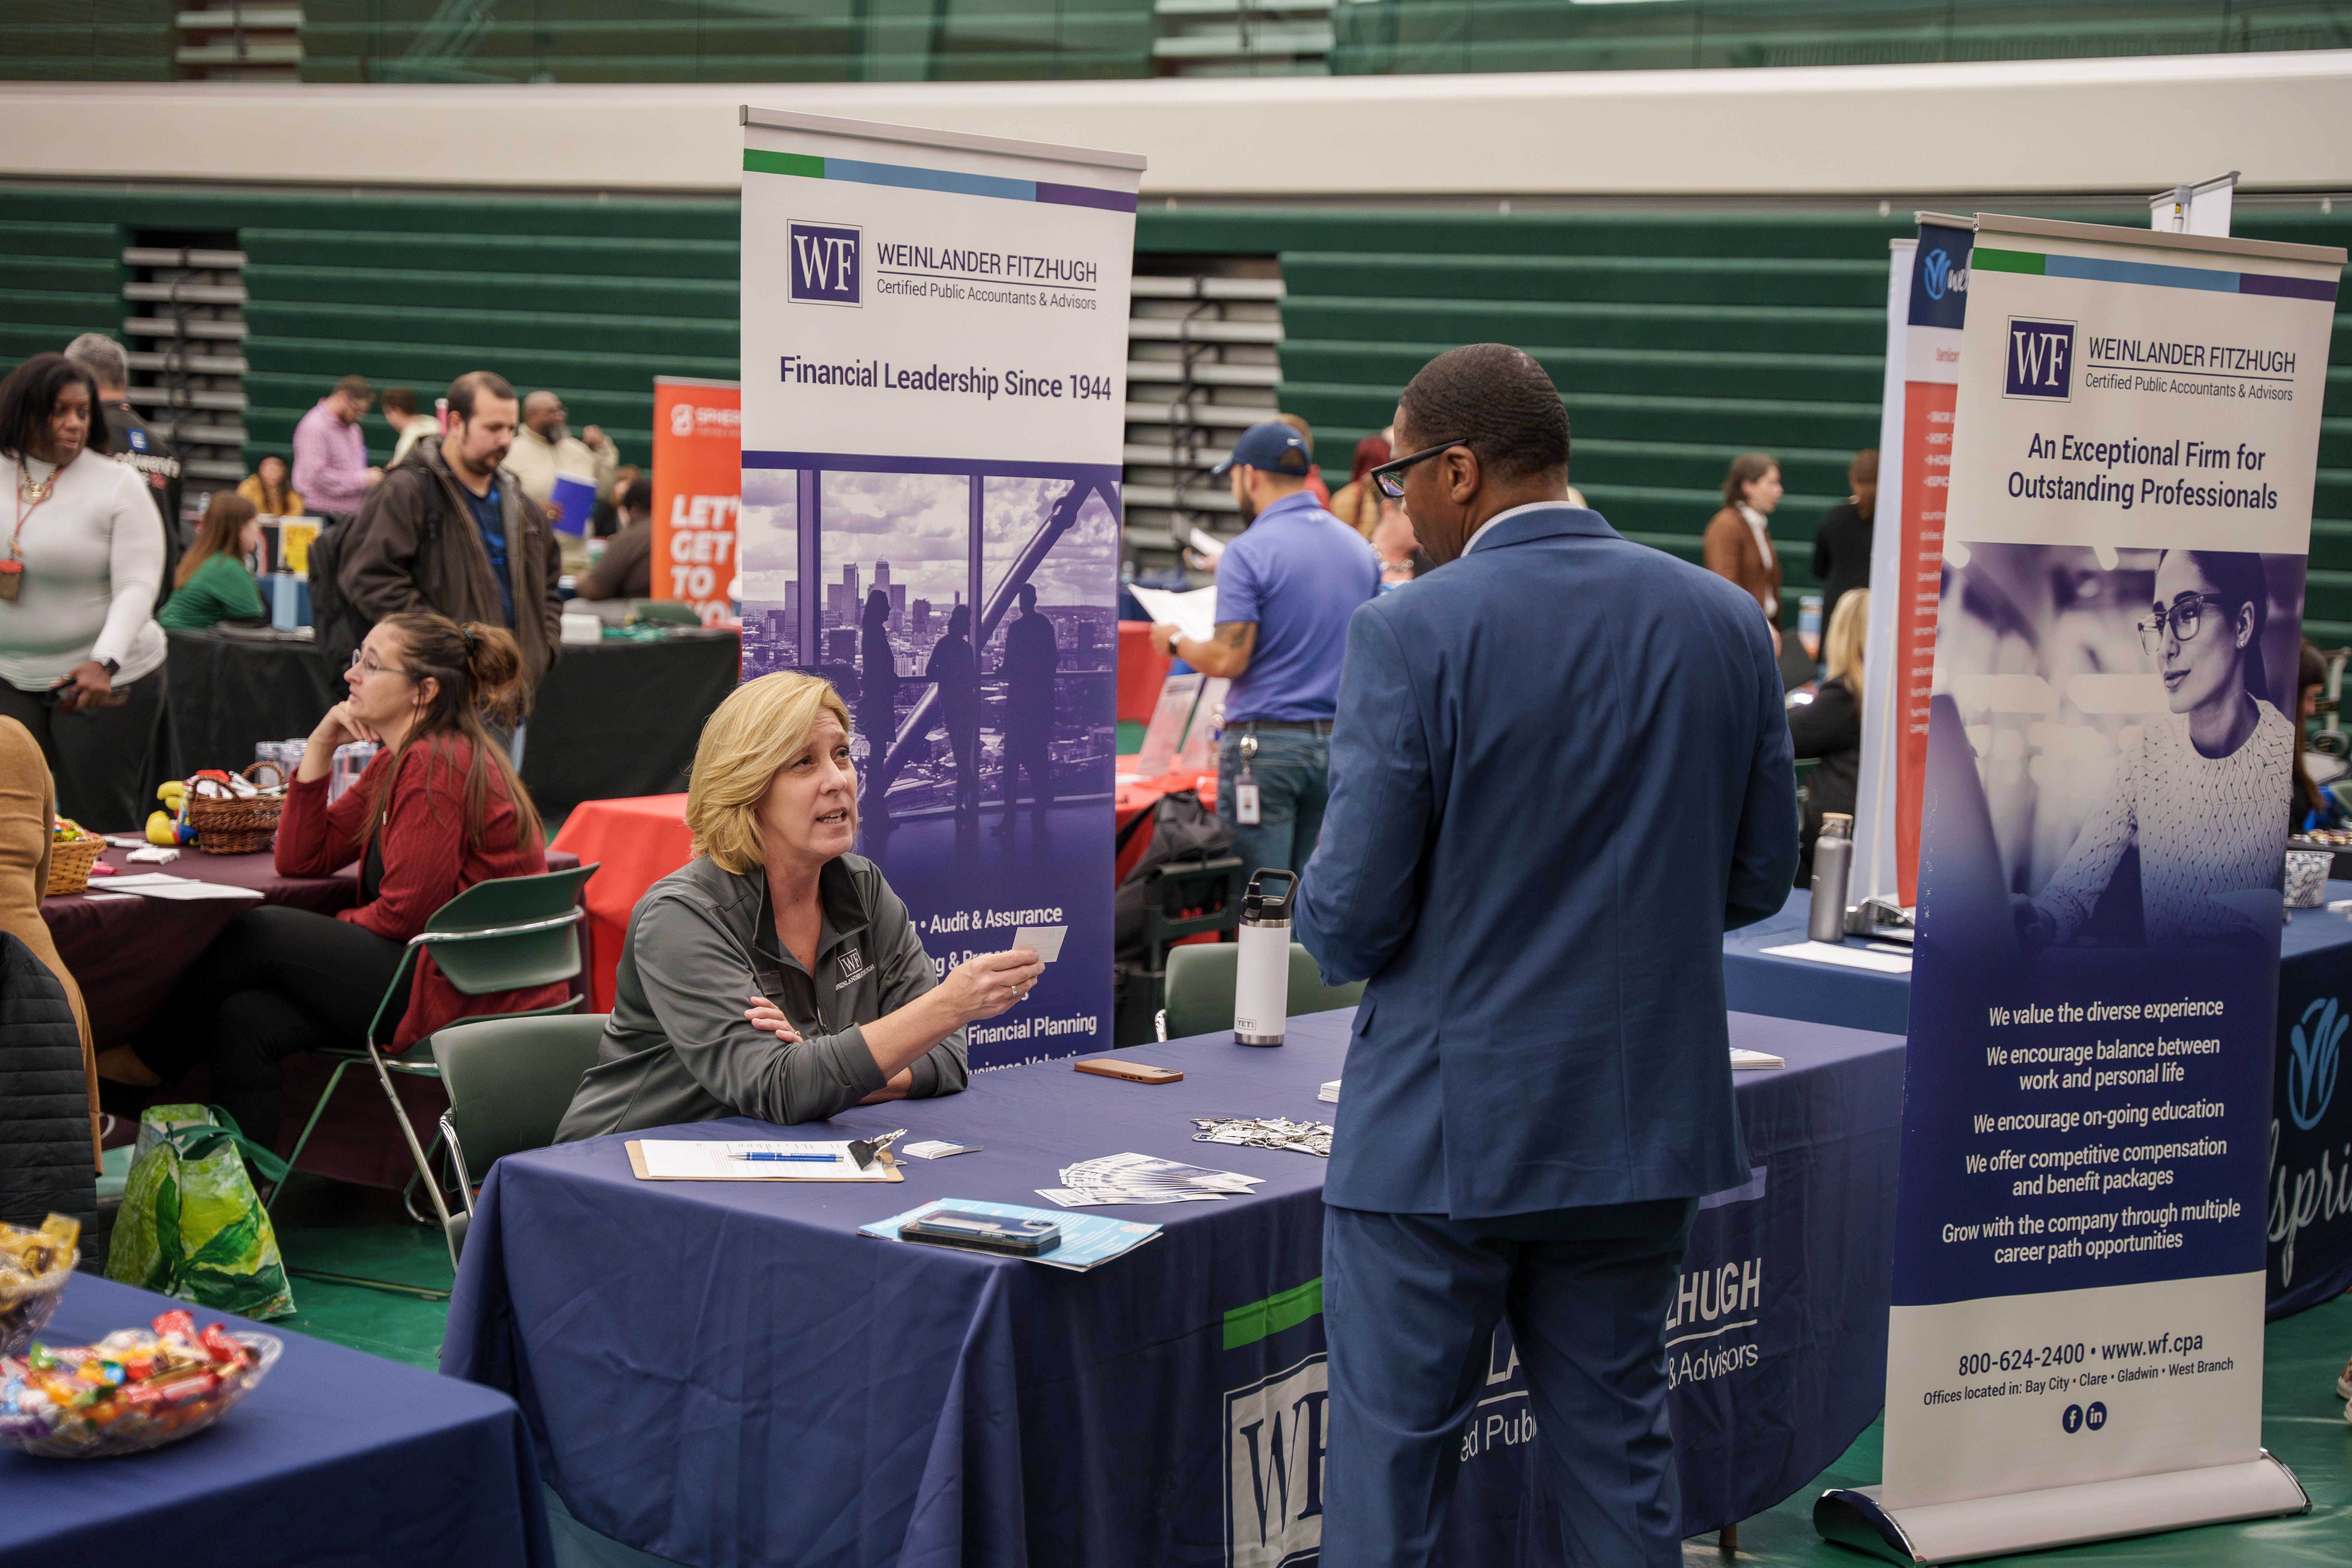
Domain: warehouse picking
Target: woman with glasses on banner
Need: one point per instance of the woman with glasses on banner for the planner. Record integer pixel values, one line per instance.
(438, 809)
(2197, 790)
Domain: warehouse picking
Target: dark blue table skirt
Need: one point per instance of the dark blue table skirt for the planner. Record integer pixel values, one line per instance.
(728, 1374)
(2308, 1192)
(337, 1458)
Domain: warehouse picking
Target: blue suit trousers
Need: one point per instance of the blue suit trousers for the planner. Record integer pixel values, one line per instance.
(1410, 1306)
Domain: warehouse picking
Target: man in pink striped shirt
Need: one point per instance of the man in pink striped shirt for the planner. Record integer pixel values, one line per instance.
(331, 466)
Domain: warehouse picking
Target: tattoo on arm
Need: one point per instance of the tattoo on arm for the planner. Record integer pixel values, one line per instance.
(1233, 634)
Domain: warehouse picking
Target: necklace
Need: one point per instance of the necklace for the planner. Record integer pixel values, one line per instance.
(33, 491)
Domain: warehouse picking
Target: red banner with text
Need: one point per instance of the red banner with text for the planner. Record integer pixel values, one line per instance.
(698, 489)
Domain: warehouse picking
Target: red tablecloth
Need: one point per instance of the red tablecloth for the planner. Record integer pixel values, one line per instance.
(1135, 799)
(1140, 672)
(639, 841)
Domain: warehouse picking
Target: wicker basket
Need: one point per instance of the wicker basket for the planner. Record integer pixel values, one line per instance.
(240, 826)
(69, 863)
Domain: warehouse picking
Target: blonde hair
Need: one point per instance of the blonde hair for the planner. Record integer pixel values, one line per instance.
(761, 726)
(1849, 630)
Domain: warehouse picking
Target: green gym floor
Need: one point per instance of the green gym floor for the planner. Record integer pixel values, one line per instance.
(349, 1230)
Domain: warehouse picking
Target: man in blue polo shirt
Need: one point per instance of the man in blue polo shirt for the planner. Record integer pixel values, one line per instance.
(1285, 590)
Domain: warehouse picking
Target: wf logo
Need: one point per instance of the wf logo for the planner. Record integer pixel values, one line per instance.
(1274, 1468)
(2040, 360)
(824, 263)
(1936, 270)
(2315, 1042)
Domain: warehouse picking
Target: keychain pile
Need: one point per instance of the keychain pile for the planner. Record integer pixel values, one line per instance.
(1266, 1133)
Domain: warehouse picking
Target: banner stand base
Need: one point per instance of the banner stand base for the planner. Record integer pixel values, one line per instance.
(2059, 1516)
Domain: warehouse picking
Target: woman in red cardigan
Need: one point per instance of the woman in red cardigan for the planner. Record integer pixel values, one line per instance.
(438, 810)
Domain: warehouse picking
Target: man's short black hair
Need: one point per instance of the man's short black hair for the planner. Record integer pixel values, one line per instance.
(29, 396)
(399, 400)
(477, 383)
(1494, 400)
(638, 500)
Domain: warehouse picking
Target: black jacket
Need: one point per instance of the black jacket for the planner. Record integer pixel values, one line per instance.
(1830, 728)
(1841, 556)
(130, 442)
(44, 1097)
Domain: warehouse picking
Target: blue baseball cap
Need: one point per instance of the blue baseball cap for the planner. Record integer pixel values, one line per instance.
(1274, 446)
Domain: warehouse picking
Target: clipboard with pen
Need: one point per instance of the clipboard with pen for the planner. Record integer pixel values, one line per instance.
(764, 1160)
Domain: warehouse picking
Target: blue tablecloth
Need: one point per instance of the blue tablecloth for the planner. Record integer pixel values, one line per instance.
(2308, 1190)
(728, 1374)
(337, 1458)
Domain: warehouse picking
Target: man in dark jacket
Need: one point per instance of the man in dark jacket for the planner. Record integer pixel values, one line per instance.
(1538, 1087)
(450, 530)
(130, 441)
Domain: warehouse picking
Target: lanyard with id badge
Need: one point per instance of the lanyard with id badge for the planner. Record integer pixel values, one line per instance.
(29, 496)
(1246, 785)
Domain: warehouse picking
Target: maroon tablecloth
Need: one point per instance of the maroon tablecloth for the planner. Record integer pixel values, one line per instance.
(128, 953)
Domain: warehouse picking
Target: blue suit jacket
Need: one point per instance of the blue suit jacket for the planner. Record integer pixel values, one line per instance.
(1561, 769)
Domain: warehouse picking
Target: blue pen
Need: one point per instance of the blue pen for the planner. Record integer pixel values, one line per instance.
(818, 1159)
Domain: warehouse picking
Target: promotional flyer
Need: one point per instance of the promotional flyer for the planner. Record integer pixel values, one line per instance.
(934, 383)
(2079, 1257)
(698, 469)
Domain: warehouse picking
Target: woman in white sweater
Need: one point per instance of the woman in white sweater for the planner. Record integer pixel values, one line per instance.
(81, 659)
(2199, 791)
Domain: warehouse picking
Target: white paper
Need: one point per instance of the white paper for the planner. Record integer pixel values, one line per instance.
(1193, 613)
(1330, 1091)
(184, 892)
(1740, 1058)
(1046, 940)
(933, 1149)
(1208, 544)
(1850, 957)
(682, 1158)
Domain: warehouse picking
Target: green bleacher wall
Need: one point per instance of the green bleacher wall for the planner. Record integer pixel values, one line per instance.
(1677, 339)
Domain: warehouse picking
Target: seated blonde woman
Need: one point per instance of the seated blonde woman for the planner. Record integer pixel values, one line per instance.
(777, 975)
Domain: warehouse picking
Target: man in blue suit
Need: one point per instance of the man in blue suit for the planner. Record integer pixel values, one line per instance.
(1560, 771)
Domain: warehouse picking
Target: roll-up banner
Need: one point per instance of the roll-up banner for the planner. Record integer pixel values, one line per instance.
(934, 384)
(697, 468)
(2076, 1344)
(1931, 371)
(1874, 810)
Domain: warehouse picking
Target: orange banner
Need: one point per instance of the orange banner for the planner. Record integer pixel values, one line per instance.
(1927, 408)
(698, 488)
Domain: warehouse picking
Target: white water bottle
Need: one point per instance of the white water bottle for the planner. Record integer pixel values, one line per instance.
(1262, 970)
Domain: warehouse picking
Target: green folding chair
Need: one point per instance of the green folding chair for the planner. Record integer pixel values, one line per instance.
(512, 933)
(509, 1081)
(1200, 984)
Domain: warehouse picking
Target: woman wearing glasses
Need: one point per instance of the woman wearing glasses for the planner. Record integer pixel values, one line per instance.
(437, 810)
(2199, 790)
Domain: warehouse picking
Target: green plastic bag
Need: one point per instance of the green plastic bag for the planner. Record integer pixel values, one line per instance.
(191, 1224)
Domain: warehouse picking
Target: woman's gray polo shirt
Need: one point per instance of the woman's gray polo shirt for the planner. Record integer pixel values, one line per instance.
(700, 944)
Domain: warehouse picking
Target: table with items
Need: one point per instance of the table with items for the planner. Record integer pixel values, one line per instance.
(619, 717)
(728, 1371)
(129, 950)
(332, 1457)
(2308, 1190)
